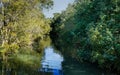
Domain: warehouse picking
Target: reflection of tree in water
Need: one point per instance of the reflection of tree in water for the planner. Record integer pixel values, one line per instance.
(15, 67)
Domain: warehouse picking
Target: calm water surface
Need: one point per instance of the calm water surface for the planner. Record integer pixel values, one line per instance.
(53, 63)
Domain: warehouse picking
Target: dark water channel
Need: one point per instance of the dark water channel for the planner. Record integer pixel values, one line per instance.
(54, 63)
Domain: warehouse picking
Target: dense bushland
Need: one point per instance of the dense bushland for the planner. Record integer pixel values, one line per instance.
(23, 28)
(90, 30)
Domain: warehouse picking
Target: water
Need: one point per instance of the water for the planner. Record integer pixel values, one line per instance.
(53, 63)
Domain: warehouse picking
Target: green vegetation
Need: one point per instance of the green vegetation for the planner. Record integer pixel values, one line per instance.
(23, 29)
(89, 30)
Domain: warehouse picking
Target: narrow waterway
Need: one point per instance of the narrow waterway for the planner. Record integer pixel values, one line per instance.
(53, 63)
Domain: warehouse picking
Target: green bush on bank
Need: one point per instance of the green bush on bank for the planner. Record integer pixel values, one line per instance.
(91, 32)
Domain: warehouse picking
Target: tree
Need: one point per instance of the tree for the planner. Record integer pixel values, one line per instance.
(21, 22)
(91, 32)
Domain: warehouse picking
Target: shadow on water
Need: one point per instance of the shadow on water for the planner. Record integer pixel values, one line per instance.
(52, 63)
(72, 67)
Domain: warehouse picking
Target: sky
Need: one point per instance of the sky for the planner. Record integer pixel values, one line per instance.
(59, 5)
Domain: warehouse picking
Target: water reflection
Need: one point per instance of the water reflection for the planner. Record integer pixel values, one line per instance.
(72, 67)
(51, 62)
